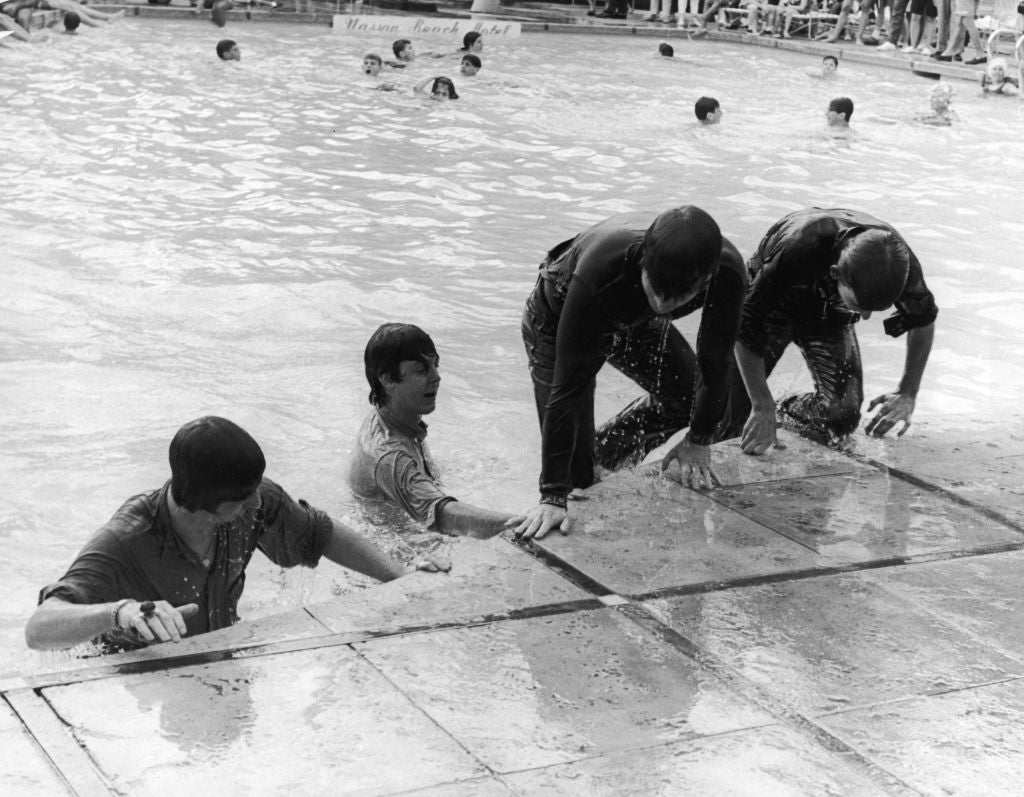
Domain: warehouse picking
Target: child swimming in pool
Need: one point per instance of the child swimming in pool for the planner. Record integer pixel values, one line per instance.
(470, 65)
(372, 65)
(827, 71)
(441, 89)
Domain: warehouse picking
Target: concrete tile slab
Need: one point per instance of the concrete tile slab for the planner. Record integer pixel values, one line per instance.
(866, 516)
(968, 743)
(24, 770)
(316, 722)
(636, 535)
(934, 449)
(487, 577)
(478, 787)
(823, 644)
(980, 594)
(520, 694)
(774, 761)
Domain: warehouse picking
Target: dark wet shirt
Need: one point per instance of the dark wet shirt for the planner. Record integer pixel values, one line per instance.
(789, 273)
(138, 555)
(592, 285)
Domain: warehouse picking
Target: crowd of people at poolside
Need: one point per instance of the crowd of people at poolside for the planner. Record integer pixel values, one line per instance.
(14, 17)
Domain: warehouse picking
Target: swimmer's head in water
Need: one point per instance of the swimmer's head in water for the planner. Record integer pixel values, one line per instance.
(443, 89)
(470, 65)
(873, 267)
(213, 461)
(372, 64)
(941, 96)
(840, 109)
(387, 348)
(403, 50)
(666, 50)
(829, 64)
(708, 111)
(473, 42)
(227, 50)
(71, 22)
(681, 252)
(996, 70)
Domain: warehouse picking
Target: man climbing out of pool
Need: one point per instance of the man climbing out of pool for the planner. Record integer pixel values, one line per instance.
(391, 461)
(815, 274)
(611, 294)
(171, 562)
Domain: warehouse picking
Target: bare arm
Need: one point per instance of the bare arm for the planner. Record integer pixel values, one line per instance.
(898, 407)
(455, 517)
(58, 624)
(759, 432)
(351, 550)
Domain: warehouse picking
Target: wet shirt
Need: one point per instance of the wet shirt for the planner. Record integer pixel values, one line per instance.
(789, 273)
(591, 290)
(138, 555)
(392, 463)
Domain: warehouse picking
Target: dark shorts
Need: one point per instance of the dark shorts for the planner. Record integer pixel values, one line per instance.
(925, 7)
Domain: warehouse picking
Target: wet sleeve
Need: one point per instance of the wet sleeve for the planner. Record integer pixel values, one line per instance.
(99, 574)
(401, 478)
(916, 306)
(719, 325)
(294, 533)
(582, 329)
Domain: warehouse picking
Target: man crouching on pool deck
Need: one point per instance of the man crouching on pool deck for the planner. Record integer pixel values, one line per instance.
(391, 461)
(172, 562)
(814, 275)
(611, 293)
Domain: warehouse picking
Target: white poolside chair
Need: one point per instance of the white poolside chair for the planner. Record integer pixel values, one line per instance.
(1003, 29)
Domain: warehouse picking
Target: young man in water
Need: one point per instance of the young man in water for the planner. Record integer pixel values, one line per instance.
(840, 109)
(391, 461)
(610, 294)
(815, 274)
(228, 50)
(708, 111)
(470, 65)
(171, 562)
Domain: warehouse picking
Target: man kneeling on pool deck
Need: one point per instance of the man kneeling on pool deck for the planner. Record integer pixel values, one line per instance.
(171, 562)
(611, 294)
(814, 275)
(391, 461)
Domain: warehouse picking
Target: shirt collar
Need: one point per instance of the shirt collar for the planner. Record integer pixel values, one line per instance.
(417, 432)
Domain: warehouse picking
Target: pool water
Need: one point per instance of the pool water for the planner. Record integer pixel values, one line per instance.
(188, 237)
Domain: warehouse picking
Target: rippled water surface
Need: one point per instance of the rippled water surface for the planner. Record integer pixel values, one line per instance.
(185, 237)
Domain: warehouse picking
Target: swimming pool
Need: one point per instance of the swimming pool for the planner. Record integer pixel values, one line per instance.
(188, 237)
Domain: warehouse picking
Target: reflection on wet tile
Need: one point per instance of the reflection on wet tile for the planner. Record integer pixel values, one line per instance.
(23, 769)
(773, 761)
(832, 642)
(937, 450)
(316, 722)
(865, 516)
(963, 743)
(995, 484)
(487, 577)
(526, 693)
(637, 540)
(980, 594)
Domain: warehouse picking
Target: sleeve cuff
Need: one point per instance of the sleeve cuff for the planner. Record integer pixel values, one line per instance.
(554, 500)
(700, 439)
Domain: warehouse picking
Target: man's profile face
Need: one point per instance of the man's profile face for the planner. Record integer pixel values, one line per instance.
(849, 301)
(234, 54)
(468, 69)
(407, 53)
(415, 393)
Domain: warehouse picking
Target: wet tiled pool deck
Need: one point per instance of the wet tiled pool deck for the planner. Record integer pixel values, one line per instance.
(826, 623)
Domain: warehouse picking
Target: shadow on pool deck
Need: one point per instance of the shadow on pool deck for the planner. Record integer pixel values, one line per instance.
(825, 623)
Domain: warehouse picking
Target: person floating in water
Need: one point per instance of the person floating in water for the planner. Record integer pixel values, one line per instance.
(228, 50)
(708, 111)
(441, 88)
(610, 294)
(391, 461)
(839, 111)
(815, 274)
(171, 562)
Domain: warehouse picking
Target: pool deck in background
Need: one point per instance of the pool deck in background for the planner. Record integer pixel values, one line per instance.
(826, 623)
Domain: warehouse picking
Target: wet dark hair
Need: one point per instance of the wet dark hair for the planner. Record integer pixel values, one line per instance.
(399, 45)
(72, 21)
(681, 248)
(666, 50)
(472, 59)
(212, 461)
(470, 39)
(223, 46)
(831, 58)
(704, 107)
(874, 264)
(842, 105)
(374, 57)
(387, 347)
(443, 81)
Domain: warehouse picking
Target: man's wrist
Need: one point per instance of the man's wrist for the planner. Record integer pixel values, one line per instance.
(554, 499)
(117, 610)
(699, 439)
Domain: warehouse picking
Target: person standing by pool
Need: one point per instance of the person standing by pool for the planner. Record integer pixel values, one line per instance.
(815, 274)
(171, 562)
(391, 461)
(611, 294)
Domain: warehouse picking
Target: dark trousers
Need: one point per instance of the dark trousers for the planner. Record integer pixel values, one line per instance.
(833, 357)
(654, 355)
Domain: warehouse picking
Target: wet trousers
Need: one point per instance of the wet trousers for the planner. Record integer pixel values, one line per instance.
(654, 355)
